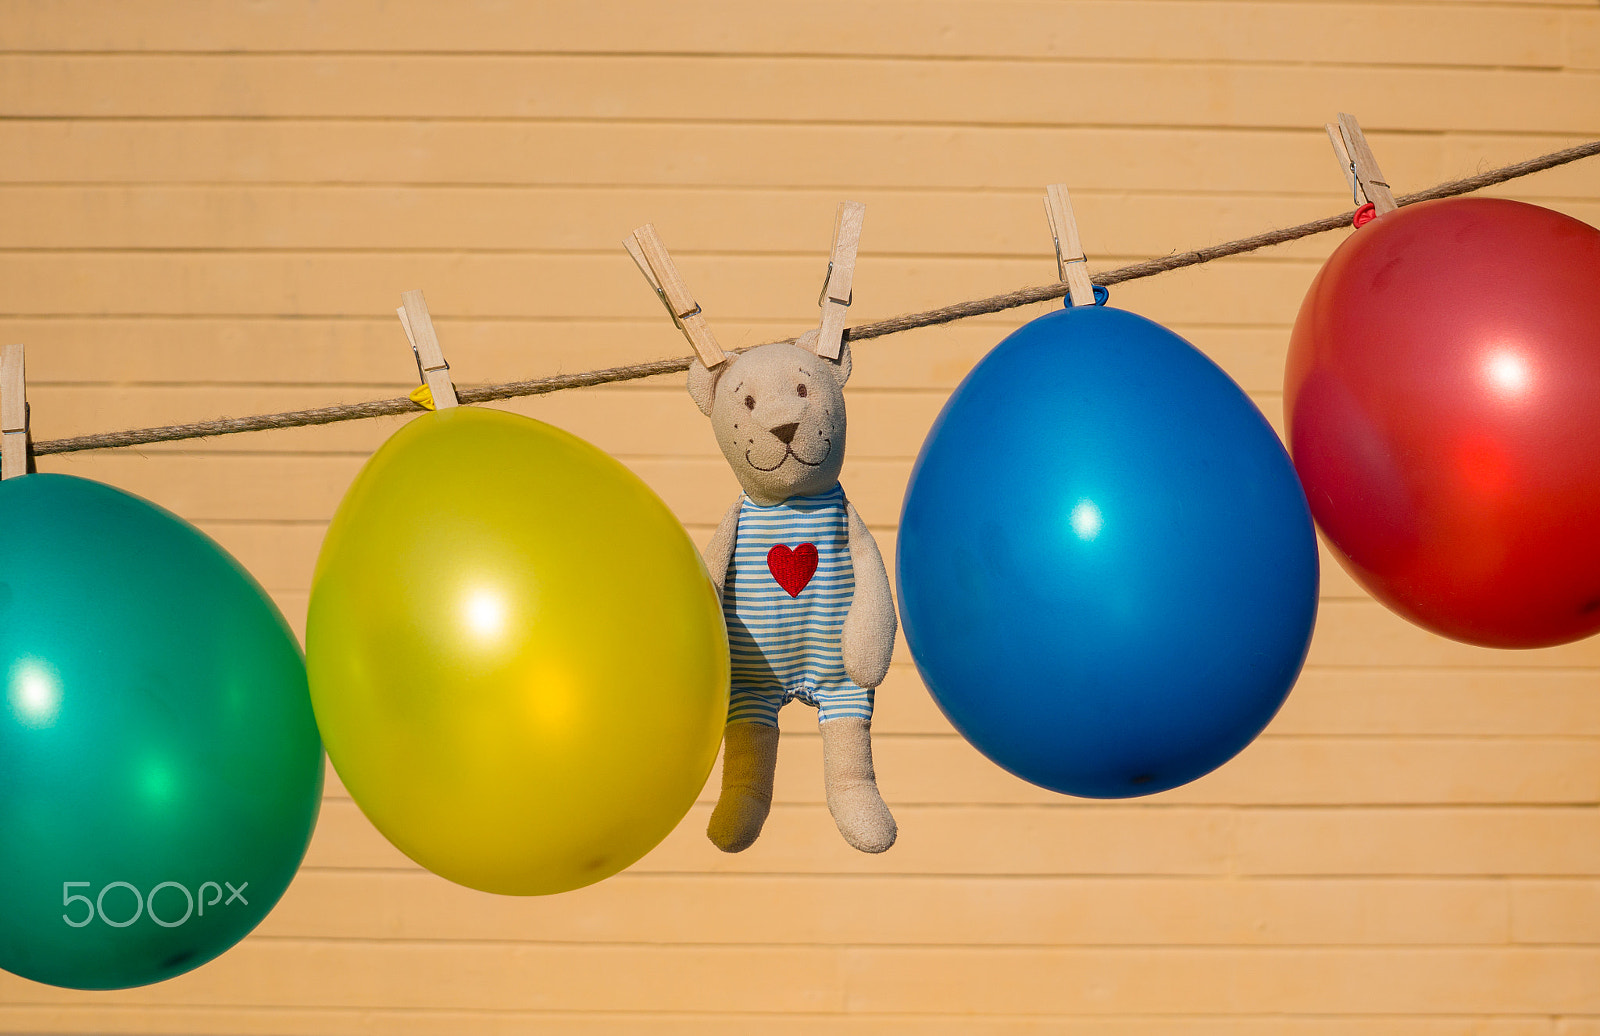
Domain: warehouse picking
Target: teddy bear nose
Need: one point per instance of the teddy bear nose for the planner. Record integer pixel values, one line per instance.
(785, 432)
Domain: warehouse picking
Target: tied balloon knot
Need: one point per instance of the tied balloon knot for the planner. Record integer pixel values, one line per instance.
(1364, 215)
(1102, 295)
(422, 395)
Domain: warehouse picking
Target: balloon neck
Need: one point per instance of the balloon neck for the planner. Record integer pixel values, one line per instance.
(1101, 295)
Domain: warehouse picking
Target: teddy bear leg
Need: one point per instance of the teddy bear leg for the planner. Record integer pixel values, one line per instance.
(853, 798)
(749, 758)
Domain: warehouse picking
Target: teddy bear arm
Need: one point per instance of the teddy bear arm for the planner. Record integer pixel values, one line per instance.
(719, 552)
(869, 625)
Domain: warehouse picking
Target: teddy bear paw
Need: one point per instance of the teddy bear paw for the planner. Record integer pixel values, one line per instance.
(736, 822)
(861, 815)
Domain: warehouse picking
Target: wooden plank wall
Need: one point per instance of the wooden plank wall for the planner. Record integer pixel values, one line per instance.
(211, 209)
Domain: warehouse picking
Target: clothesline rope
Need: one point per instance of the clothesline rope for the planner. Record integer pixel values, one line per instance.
(876, 329)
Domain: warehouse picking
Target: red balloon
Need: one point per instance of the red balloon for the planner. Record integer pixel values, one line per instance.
(1442, 400)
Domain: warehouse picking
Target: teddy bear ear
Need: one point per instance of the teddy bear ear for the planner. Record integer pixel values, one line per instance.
(703, 384)
(841, 367)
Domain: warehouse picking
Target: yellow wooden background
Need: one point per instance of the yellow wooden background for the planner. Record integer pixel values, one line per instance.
(212, 208)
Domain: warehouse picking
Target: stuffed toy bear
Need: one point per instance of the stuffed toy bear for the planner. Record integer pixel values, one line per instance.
(803, 587)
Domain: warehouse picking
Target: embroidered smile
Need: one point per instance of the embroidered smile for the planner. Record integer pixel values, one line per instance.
(788, 451)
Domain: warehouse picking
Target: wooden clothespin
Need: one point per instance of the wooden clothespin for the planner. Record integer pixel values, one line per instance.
(838, 288)
(1071, 264)
(431, 368)
(13, 413)
(658, 268)
(1360, 165)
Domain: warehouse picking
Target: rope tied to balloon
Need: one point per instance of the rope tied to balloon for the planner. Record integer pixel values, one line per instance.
(519, 665)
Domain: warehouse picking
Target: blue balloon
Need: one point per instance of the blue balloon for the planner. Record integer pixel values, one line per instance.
(1107, 569)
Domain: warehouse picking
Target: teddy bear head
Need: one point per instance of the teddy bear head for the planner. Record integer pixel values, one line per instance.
(778, 414)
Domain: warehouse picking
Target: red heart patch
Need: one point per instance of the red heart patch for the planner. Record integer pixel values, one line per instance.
(793, 569)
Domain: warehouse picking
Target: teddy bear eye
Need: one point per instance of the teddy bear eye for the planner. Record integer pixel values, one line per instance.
(749, 402)
(800, 390)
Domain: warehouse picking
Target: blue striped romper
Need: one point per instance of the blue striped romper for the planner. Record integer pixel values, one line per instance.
(786, 645)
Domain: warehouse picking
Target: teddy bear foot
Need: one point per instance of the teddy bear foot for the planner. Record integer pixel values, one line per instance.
(858, 810)
(749, 758)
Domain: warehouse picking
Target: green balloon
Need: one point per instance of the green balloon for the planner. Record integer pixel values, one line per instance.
(160, 769)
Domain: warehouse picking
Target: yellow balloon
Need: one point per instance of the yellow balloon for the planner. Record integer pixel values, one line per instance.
(516, 657)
